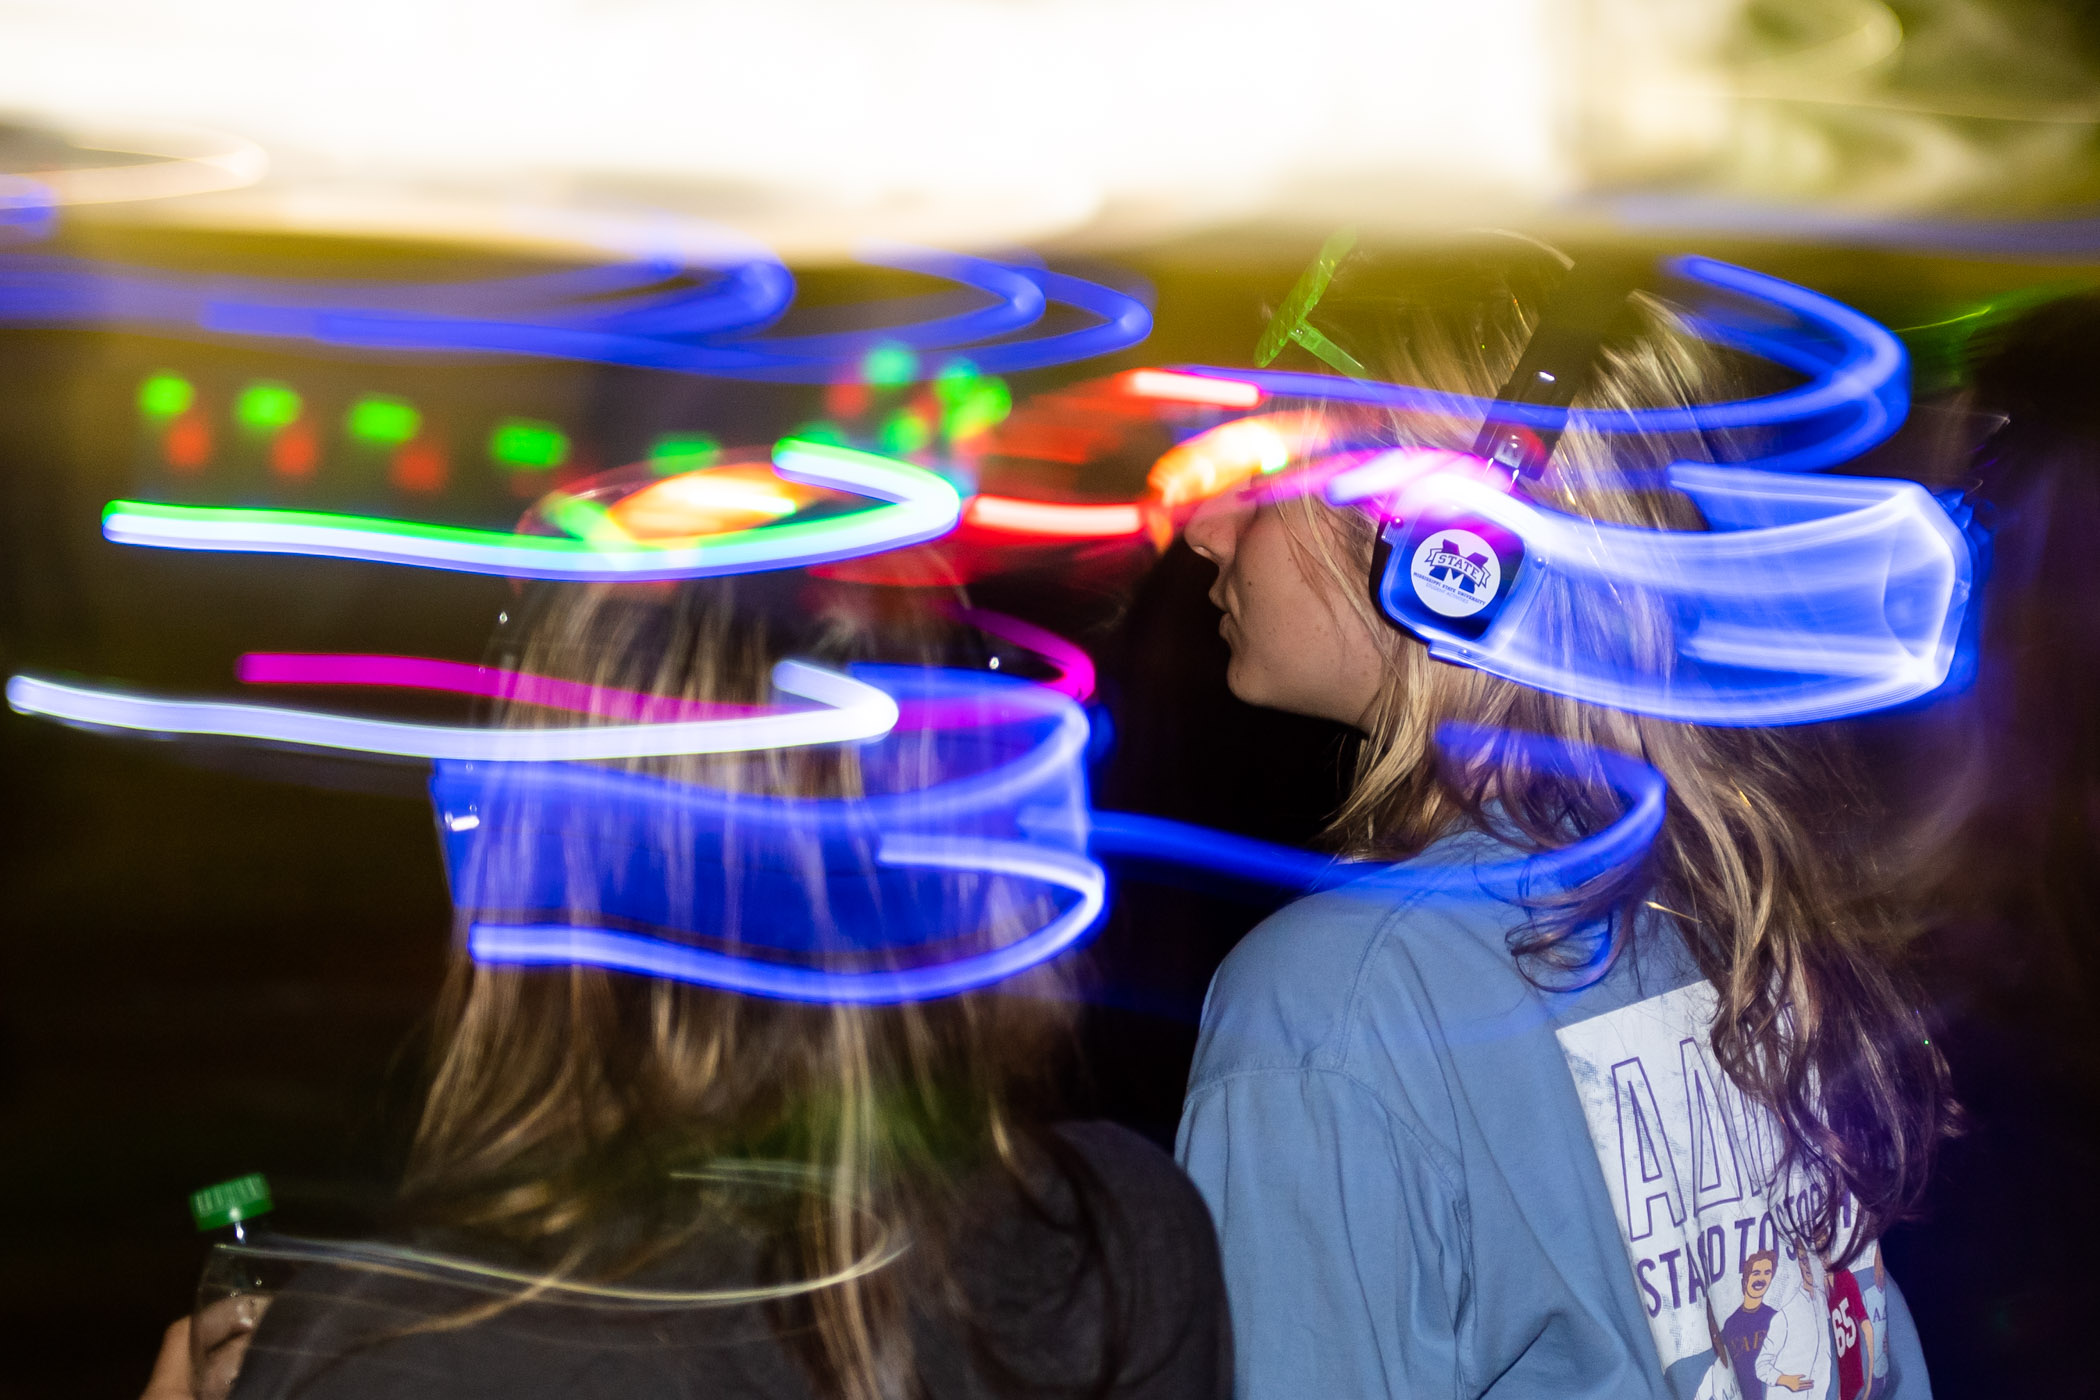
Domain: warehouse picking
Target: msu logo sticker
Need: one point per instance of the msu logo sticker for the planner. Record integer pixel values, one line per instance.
(1456, 573)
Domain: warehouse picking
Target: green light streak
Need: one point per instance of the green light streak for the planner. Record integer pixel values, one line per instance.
(250, 518)
(587, 521)
(1289, 322)
(826, 433)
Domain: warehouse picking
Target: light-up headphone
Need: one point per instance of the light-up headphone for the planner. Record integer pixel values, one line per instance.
(1809, 597)
(1447, 571)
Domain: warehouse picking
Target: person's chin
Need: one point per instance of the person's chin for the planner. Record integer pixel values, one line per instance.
(1250, 686)
(1241, 681)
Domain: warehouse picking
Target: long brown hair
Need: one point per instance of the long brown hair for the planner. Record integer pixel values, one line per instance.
(565, 1100)
(1767, 858)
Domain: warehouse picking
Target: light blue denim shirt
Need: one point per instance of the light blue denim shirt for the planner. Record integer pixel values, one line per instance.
(1433, 1178)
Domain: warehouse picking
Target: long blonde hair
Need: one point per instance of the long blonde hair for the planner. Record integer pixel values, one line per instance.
(564, 1100)
(1767, 858)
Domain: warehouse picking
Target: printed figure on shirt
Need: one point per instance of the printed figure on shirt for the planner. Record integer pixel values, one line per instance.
(1876, 1302)
(1744, 1332)
(1796, 1353)
(1719, 1382)
(1851, 1334)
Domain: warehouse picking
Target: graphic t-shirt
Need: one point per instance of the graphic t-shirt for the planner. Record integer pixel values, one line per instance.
(1692, 1168)
(1432, 1177)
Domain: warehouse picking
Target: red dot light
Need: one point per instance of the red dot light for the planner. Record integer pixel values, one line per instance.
(188, 443)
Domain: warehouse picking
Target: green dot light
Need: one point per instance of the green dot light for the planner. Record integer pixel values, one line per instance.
(887, 366)
(904, 433)
(953, 383)
(522, 444)
(383, 421)
(683, 452)
(982, 408)
(166, 395)
(267, 406)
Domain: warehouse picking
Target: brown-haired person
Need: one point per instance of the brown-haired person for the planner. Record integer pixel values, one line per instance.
(1458, 1145)
(633, 1187)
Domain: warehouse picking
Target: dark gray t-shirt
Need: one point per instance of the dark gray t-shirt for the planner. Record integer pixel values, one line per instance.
(1041, 1315)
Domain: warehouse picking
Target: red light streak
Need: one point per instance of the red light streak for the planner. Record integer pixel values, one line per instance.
(1091, 522)
(1190, 388)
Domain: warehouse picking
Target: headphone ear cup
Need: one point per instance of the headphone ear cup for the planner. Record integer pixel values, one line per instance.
(1445, 575)
(1381, 562)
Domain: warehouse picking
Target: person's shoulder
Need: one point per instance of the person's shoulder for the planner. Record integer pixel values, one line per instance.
(1295, 991)
(1151, 1211)
(1127, 1163)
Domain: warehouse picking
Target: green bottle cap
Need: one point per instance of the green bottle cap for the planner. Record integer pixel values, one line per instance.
(243, 1198)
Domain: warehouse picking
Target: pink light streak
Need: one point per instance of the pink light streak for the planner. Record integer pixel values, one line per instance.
(1075, 668)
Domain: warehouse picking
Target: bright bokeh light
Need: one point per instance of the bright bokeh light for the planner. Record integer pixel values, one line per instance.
(166, 395)
(1190, 388)
(267, 406)
(1232, 453)
(1054, 519)
(383, 421)
(961, 120)
(709, 502)
(521, 444)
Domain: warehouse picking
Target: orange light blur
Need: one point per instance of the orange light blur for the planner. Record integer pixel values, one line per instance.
(710, 501)
(1232, 453)
(1190, 388)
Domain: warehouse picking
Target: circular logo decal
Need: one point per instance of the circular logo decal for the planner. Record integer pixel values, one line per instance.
(1456, 573)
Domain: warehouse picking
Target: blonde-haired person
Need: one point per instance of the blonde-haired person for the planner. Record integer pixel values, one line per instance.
(624, 1186)
(1457, 1146)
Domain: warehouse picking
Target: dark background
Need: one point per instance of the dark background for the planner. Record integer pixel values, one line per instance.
(213, 962)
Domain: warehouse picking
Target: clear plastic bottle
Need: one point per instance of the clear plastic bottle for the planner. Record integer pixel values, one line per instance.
(237, 1284)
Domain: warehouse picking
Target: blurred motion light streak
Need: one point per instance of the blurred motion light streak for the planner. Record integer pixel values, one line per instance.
(568, 945)
(1190, 388)
(1054, 519)
(463, 678)
(1857, 394)
(616, 314)
(1075, 667)
(1616, 847)
(1812, 597)
(919, 506)
(853, 711)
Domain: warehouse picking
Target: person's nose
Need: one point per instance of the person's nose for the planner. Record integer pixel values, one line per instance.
(1214, 530)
